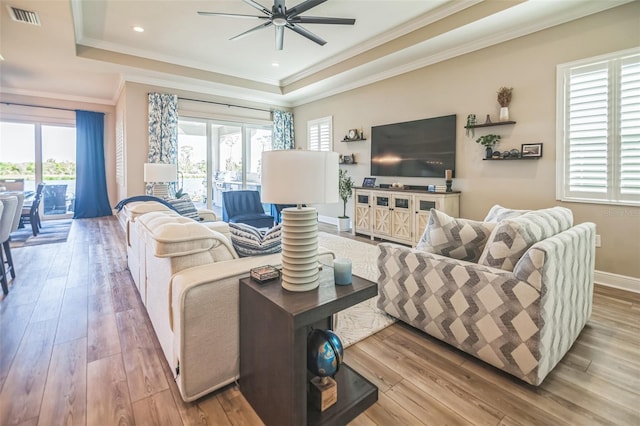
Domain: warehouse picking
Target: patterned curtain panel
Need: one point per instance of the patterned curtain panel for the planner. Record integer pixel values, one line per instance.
(163, 131)
(282, 130)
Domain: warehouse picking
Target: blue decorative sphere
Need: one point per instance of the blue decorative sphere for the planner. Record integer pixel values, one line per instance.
(324, 352)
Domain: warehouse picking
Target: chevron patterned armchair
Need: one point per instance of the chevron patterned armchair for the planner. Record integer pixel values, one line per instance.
(514, 290)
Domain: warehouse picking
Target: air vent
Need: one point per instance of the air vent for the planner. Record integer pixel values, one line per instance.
(21, 15)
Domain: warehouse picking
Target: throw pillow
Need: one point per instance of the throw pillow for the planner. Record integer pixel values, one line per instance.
(185, 207)
(498, 213)
(250, 241)
(461, 239)
(512, 237)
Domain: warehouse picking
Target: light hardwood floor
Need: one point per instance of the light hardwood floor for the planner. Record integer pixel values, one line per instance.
(77, 348)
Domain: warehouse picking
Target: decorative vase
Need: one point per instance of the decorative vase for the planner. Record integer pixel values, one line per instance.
(504, 114)
(488, 153)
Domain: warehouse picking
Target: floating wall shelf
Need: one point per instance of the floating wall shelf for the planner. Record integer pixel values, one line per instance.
(511, 158)
(498, 123)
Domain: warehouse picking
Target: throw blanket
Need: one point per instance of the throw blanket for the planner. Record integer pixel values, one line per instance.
(122, 203)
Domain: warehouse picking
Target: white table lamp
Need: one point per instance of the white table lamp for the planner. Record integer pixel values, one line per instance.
(299, 177)
(159, 174)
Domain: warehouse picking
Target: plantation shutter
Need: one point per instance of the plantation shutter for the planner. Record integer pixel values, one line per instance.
(319, 134)
(630, 128)
(588, 131)
(599, 130)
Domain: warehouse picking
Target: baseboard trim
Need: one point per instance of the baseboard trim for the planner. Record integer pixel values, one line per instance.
(331, 220)
(621, 282)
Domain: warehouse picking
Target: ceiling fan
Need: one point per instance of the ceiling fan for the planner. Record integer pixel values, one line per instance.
(280, 17)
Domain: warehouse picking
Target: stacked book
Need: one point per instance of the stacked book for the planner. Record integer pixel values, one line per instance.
(437, 188)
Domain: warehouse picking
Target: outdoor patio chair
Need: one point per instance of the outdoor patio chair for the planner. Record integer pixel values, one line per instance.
(55, 199)
(31, 211)
(12, 184)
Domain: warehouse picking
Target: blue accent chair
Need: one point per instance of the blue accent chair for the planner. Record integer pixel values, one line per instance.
(276, 210)
(245, 207)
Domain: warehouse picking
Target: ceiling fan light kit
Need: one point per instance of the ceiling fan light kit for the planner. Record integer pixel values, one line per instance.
(280, 17)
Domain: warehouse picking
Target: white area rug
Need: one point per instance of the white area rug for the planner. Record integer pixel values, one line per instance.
(364, 319)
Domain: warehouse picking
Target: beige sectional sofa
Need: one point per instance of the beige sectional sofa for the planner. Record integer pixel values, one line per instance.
(187, 273)
(128, 215)
(514, 291)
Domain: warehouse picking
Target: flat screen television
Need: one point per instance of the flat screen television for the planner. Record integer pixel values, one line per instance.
(420, 148)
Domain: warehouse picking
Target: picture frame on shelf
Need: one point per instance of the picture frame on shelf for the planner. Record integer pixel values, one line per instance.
(369, 182)
(353, 134)
(531, 150)
(347, 159)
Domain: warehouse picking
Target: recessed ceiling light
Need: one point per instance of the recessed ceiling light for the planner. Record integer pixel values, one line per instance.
(275, 64)
(138, 29)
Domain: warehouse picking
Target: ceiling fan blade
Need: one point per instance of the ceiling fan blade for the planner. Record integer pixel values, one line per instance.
(246, 33)
(306, 33)
(321, 20)
(303, 7)
(279, 37)
(258, 6)
(232, 15)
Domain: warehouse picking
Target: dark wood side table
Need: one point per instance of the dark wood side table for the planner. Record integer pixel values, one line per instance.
(274, 324)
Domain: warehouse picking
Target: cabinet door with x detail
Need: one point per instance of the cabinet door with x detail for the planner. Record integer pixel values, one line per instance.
(401, 217)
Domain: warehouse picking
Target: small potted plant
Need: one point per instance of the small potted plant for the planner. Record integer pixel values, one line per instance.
(345, 190)
(504, 99)
(488, 141)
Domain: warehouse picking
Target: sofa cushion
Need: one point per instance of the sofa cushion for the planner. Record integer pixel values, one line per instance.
(512, 237)
(498, 213)
(185, 207)
(170, 235)
(249, 241)
(461, 239)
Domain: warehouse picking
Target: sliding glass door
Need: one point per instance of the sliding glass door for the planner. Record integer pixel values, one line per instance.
(222, 156)
(18, 155)
(58, 171)
(192, 160)
(31, 153)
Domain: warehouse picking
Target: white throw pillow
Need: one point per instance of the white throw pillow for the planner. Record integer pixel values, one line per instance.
(498, 213)
(512, 237)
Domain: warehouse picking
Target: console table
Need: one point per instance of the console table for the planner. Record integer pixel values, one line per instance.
(399, 215)
(274, 324)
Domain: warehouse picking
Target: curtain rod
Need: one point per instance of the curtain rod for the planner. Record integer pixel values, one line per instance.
(183, 99)
(223, 104)
(37, 106)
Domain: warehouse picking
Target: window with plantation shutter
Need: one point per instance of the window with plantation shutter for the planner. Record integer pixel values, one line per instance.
(598, 137)
(630, 128)
(319, 134)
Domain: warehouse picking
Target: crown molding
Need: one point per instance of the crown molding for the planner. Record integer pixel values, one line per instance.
(210, 88)
(399, 31)
(365, 74)
(56, 96)
(445, 54)
(168, 59)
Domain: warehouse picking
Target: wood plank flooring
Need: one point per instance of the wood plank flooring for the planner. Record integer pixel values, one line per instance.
(77, 348)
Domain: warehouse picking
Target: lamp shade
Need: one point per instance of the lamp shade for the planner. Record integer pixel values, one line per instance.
(156, 172)
(299, 177)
